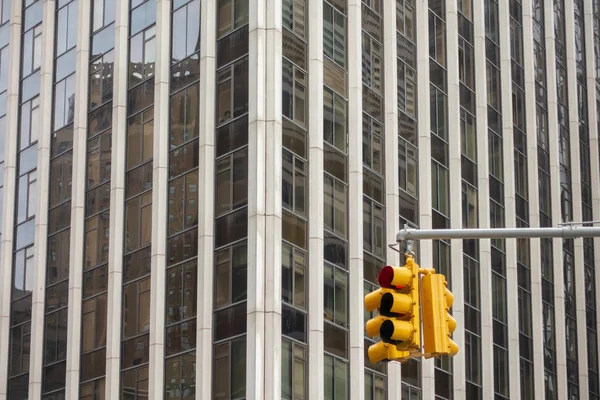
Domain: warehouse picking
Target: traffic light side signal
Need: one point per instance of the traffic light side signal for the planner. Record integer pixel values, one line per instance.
(438, 324)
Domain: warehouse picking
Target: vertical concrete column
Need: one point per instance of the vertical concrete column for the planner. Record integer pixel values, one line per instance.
(41, 215)
(76, 260)
(355, 200)
(557, 251)
(316, 261)
(263, 368)
(117, 202)
(592, 99)
(456, 280)
(10, 171)
(424, 131)
(510, 213)
(206, 208)
(160, 187)
(483, 196)
(580, 306)
(392, 197)
(534, 201)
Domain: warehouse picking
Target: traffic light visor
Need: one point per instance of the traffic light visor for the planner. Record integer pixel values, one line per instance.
(395, 277)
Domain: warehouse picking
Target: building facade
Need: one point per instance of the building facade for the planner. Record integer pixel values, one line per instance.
(197, 194)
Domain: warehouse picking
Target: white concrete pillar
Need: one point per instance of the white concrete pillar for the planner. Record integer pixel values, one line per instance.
(316, 346)
(10, 175)
(355, 201)
(557, 251)
(117, 201)
(483, 196)
(160, 187)
(38, 319)
(206, 208)
(425, 256)
(263, 368)
(76, 257)
(392, 199)
(537, 321)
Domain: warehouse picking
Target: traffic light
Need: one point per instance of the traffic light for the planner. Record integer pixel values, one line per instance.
(438, 324)
(398, 321)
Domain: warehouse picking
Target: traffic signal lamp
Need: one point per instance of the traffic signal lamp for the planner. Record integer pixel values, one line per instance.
(438, 324)
(398, 321)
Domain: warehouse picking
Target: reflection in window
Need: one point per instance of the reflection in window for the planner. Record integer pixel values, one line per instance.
(229, 359)
(335, 210)
(294, 371)
(294, 93)
(336, 379)
(232, 15)
(294, 16)
(334, 119)
(32, 51)
(334, 34)
(232, 91)
(335, 295)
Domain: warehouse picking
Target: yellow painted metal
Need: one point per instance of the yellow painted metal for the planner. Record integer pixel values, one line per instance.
(438, 324)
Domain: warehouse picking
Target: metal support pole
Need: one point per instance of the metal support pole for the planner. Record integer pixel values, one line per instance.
(565, 232)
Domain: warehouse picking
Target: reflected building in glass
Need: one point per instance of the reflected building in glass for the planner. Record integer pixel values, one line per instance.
(196, 195)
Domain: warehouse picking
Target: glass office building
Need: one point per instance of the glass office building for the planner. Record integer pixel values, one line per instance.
(195, 195)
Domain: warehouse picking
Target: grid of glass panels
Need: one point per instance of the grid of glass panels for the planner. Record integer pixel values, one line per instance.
(521, 197)
(183, 197)
(4, 36)
(586, 199)
(231, 201)
(373, 134)
(135, 327)
(408, 156)
(496, 187)
(25, 201)
(335, 145)
(566, 197)
(469, 195)
(440, 163)
(294, 279)
(97, 201)
(545, 198)
(59, 203)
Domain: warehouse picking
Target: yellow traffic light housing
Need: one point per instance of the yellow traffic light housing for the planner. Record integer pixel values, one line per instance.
(398, 321)
(438, 324)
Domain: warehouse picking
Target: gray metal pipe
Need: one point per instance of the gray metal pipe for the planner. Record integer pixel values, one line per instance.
(566, 232)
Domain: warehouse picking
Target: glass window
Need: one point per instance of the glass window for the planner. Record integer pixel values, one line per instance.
(183, 203)
(336, 295)
(232, 15)
(335, 212)
(440, 188)
(138, 222)
(232, 182)
(294, 16)
(232, 91)
(437, 39)
(294, 93)
(373, 156)
(372, 63)
(32, 51)
(185, 39)
(334, 34)
(101, 80)
(142, 56)
(184, 124)
(293, 276)
(407, 88)
(334, 119)
(230, 275)
(294, 183)
(30, 122)
(230, 360)
(407, 167)
(294, 372)
(140, 138)
(405, 19)
(64, 102)
(66, 28)
(103, 13)
(180, 377)
(336, 379)
(373, 227)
